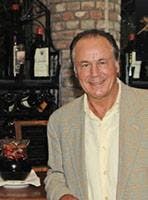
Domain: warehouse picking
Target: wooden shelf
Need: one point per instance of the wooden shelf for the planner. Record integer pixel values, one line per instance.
(140, 84)
(27, 83)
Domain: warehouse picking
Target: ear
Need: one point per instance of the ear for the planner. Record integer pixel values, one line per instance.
(75, 71)
(117, 67)
(76, 75)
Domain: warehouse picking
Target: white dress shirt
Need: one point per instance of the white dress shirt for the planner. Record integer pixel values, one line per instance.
(101, 152)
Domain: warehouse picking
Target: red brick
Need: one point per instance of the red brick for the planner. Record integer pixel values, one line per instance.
(58, 26)
(88, 5)
(74, 6)
(64, 44)
(66, 34)
(68, 16)
(96, 14)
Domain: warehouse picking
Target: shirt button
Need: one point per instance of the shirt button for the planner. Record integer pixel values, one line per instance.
(105, 172)
(103, 147)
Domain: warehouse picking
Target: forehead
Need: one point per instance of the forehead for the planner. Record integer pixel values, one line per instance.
(92, 44)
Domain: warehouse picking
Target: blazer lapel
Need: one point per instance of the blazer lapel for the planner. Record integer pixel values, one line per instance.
(78, 148)
(129, 139)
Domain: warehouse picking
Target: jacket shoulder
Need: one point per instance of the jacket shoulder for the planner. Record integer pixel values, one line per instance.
(136, 94)
(70, 109)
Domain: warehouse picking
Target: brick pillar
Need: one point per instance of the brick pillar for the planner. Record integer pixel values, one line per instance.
(70, 17)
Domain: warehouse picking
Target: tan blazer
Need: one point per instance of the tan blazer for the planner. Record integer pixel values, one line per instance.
(66, 149)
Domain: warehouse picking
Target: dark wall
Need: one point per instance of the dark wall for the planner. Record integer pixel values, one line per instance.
(141, 8)
(142, 32)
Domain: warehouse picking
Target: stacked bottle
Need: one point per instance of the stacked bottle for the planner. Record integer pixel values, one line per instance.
(39, 56)
(132, 64)
(18, 42)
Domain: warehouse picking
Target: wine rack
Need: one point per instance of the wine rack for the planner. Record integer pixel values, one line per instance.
(24, 98)
(134, 20)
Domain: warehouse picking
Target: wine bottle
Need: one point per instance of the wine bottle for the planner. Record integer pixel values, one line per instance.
(18, 58)
(15, 13)
(39, 56)
(18, 42)
(132, 64)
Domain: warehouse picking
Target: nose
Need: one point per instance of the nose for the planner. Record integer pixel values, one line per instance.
(95, 70)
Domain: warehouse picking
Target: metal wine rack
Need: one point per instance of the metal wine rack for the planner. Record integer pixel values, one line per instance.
(24, 98)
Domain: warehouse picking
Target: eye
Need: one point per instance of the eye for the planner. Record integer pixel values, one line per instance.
(103, 62)
(85, 65)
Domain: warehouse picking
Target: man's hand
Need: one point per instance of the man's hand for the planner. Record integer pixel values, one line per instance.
(68, 197)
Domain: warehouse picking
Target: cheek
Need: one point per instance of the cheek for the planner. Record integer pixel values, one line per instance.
(114, 71)
(80, 75)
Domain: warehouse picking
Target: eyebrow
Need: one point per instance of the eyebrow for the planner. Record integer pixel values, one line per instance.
(83, 61)
(100, 59)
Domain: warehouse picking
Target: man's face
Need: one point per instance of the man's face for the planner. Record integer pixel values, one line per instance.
(95, 66)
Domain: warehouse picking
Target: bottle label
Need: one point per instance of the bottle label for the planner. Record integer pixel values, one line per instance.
(41, 65)
(134, 66)
(18, 58)
(14, 59)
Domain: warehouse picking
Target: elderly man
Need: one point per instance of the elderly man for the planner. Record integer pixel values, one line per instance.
(98, 143)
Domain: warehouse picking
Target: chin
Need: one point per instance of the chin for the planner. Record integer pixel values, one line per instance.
(96, 95)
(100, 94)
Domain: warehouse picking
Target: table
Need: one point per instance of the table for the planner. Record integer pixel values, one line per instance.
(28, 193)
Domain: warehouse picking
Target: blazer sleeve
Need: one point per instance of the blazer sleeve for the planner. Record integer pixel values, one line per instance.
(55, 183)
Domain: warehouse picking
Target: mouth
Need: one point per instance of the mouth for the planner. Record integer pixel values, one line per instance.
(96, 82)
